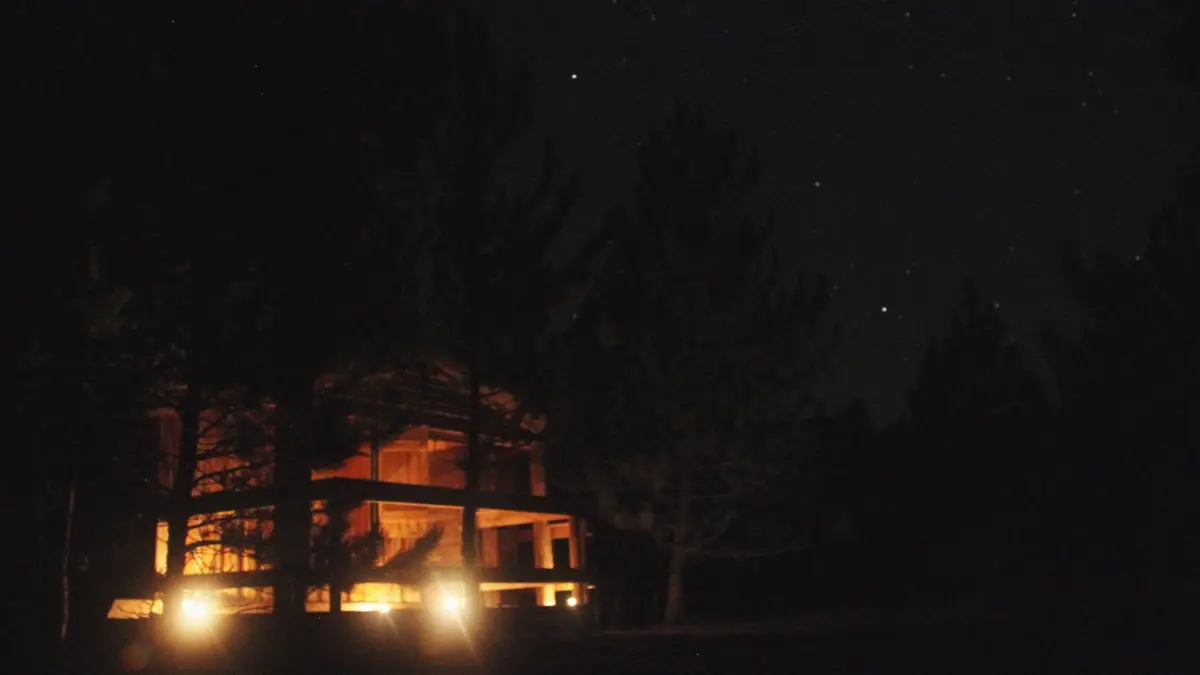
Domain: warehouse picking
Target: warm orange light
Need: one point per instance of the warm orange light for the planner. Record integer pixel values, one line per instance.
(196, 614)
(380, 607)
(571, 601)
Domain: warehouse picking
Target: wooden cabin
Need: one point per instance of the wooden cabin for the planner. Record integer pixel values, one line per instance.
(531, 546)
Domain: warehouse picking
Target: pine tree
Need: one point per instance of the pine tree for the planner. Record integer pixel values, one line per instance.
(1127, 387)
(965, 463)
(696, 355)
(977, 371)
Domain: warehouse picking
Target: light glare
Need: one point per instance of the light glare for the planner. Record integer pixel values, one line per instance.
(196, 614)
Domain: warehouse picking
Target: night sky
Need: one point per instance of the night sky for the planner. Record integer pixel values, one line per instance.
(907, 143)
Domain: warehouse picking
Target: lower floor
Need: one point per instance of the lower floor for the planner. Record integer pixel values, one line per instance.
(526, 559)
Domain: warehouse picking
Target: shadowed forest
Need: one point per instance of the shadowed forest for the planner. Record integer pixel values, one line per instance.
(194, 236)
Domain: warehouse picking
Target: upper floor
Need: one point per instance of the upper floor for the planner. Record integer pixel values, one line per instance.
(426, 448)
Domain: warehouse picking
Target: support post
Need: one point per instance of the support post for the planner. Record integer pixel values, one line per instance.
(489, 556)
(578, 537)
(543, 558)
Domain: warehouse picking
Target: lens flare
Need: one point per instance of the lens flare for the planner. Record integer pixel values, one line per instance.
(196, 614)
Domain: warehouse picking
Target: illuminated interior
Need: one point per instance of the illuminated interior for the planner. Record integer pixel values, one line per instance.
(528, 558)
(507, 540)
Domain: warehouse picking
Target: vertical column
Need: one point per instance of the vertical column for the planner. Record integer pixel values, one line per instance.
(543, 558)
(578, 537)
(489, 556)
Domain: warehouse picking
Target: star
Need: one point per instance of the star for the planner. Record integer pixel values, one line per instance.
(936, 169)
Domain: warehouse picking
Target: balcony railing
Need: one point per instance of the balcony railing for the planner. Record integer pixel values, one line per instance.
(398, 493)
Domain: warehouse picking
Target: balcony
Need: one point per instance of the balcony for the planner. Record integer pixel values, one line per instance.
(528, 559)
(421, 467)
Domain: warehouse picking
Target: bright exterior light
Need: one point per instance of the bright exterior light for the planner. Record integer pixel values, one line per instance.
(197, 613)
(571, 601)
(380, 607)
(452, 605)
(196, 609)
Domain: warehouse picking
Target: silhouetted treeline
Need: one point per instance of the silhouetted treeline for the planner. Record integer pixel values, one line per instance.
(1000, 489)
(290, 192)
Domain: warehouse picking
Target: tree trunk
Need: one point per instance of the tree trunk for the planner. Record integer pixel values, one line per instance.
(292, 525)
(679, 554)
(293, 511)
(66, 555)
(335, 595)
(339, 554)
(675, 607)
(181, 498)
(375, 455)
(473, 469)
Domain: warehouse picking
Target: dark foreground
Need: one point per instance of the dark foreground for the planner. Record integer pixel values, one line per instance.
(1145, 644)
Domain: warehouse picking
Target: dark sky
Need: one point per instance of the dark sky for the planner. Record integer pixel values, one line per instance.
(908, 142)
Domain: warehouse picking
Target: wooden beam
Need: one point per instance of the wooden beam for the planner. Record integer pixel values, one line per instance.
(489, 518)
(430, 495)
(502, 575)
(504, 586)
(378, 491)
(512, 575)
(458, 422)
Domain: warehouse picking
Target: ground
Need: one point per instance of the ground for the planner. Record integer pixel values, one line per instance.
(1145, 643)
